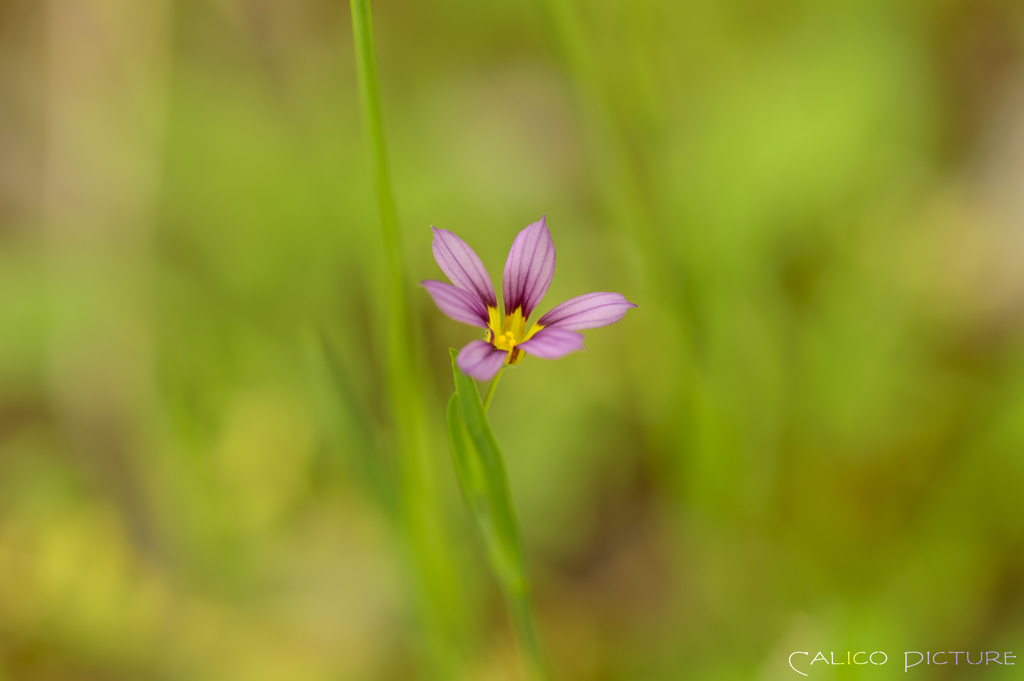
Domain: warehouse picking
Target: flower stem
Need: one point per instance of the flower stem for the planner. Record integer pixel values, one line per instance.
(490, 391)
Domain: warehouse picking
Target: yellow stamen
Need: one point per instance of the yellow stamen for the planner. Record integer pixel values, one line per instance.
(505, 341)
(510, 333)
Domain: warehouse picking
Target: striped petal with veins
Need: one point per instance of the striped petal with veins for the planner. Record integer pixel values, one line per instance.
(530, 267)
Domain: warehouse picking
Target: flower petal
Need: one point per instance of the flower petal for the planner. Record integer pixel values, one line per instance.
(463, 266)
(552, 343)
(481, 360)
(588, 311)
(460, 305)
(529, 268)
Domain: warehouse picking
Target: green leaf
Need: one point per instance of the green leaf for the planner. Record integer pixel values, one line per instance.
(502, 549)
(481, 471)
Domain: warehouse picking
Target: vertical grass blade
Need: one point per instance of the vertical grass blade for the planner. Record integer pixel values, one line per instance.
(350, 423)
(616, 167)
(373, 122)
(437, 598)
(481, 472)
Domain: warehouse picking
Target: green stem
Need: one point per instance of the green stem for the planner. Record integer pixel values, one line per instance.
(400, 363)
(373, 120)
(433, 586)
(490, 391)
(529, 639)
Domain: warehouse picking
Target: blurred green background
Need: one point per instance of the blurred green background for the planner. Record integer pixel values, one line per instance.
(809, 436)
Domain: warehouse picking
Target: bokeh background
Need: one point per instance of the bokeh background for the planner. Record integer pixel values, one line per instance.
(809, 435)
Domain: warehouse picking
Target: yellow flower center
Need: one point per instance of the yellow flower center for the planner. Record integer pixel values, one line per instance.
(510, 333)
(505, 341)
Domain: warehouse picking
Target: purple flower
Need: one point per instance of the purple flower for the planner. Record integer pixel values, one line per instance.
(528, 273)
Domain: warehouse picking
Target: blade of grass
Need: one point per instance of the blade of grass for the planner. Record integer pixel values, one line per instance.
(436, 596)
(481, 471)
(618, 170)
(350, 422)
